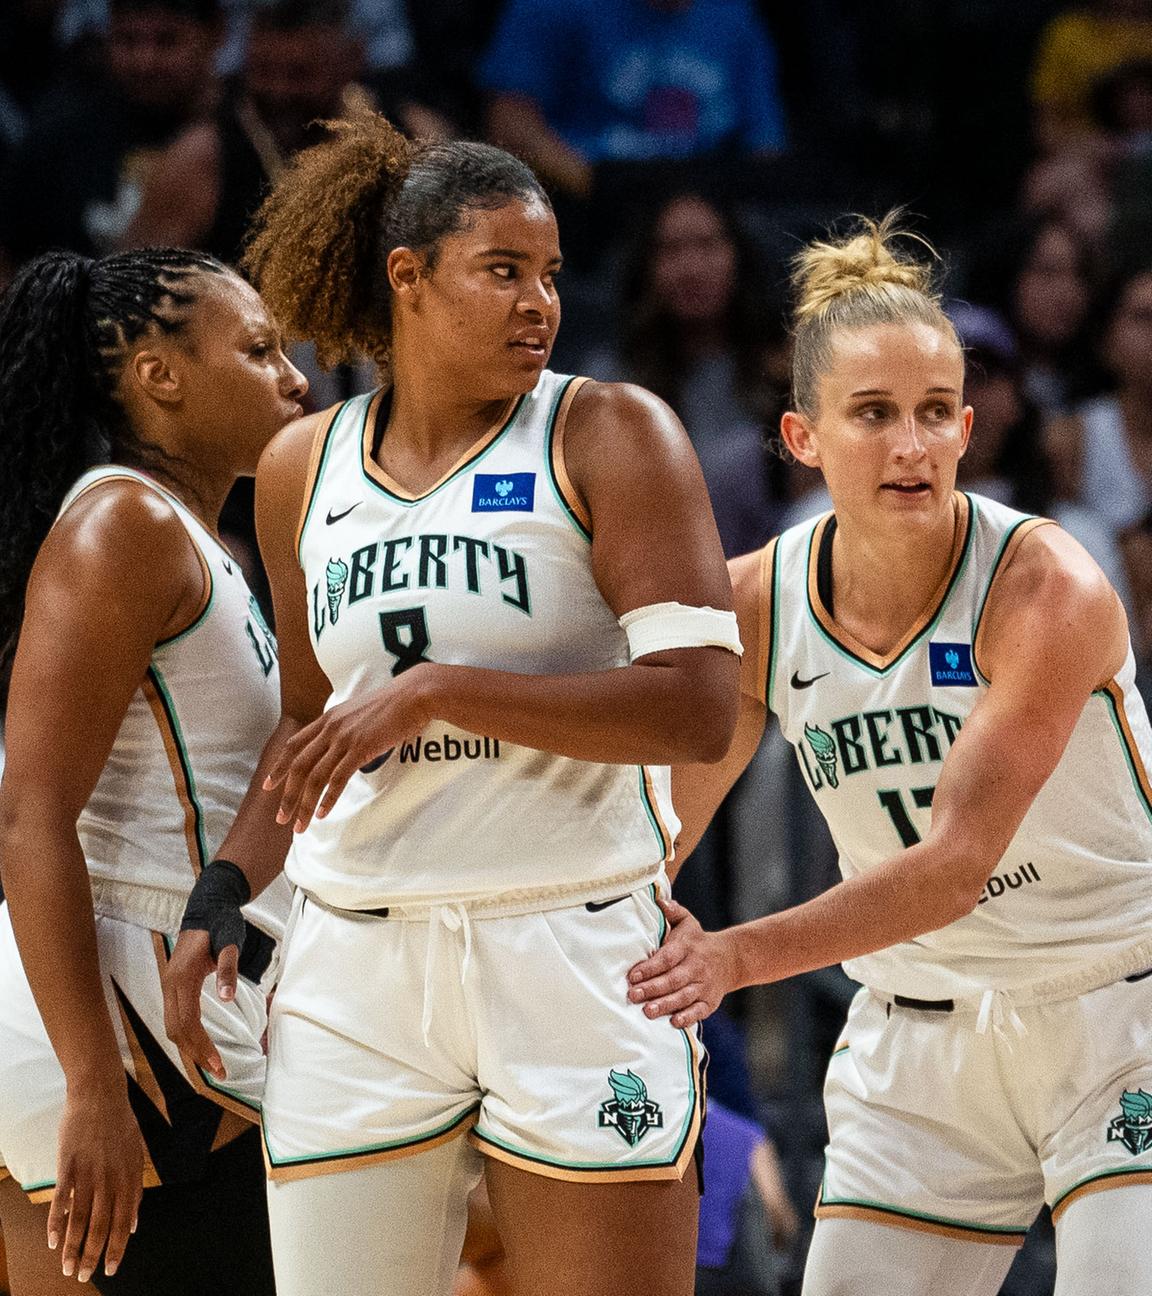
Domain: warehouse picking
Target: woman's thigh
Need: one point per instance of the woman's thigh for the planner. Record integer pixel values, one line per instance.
(856, 1258)
(596, 1239)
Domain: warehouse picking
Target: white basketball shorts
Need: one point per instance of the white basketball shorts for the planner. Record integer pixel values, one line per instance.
(178, 1107)
(936, 1125)
(390, 1034)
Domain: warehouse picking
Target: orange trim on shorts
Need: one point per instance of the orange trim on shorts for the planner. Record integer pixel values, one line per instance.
(576, 505)
(1101, 1183)
(892, 1219)
(319, 441)
(142, 1071)
(326, 1165)
(179, 778)
(192, 1071)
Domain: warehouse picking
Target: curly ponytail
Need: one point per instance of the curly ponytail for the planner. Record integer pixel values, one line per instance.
(66, 324)
(321, 240)
(862, 279)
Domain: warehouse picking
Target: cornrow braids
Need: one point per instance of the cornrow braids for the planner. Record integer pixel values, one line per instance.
(67, 324)
(861, 279)
(321, 240)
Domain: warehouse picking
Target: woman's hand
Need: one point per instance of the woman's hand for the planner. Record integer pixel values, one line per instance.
(183, 982)
(99, 1180)
(363, 731)
(688, 975)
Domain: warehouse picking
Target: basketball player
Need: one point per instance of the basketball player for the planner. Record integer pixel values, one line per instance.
(143, 688)
(957, 681)
(464, 564)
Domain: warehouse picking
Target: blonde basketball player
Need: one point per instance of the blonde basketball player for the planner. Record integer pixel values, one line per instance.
(957, 681)
(503, 611)
(143, 688)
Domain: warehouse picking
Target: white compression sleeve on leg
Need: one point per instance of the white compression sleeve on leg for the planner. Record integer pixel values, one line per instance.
(396, 1227)
(857, 1258)
(661, 626)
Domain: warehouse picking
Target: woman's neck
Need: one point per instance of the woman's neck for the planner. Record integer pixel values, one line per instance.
(884, 580)
(201, 490)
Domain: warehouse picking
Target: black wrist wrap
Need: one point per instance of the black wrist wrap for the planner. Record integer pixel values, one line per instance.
(214, 905)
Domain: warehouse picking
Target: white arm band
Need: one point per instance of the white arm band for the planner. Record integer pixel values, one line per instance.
(661, 626)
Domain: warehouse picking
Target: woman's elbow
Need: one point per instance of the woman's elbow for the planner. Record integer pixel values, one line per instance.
(707, 720)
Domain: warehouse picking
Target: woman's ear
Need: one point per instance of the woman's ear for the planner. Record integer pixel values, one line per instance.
(799, 436)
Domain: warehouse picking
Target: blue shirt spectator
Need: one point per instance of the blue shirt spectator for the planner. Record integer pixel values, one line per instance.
(633, 79)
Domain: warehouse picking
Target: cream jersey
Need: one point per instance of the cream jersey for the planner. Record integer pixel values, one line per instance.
(489, 567)
(1074, 888)
(186, 748)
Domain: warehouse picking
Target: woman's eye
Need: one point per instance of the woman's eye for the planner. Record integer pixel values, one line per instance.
(261, 349)
(504, 271)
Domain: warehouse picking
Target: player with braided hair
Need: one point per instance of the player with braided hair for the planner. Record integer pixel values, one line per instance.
(959, 686)
(141, 687)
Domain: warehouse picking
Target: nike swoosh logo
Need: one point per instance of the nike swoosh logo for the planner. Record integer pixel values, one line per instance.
(335, 517)
(594, 906)
(227, 566)
(798, 683)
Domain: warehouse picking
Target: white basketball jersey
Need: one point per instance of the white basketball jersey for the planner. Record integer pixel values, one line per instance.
(1075, 885)
(489, 567)
(186, 749)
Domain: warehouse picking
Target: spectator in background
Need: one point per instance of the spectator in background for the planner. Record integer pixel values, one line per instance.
(75, 179)
(1006, 459)
(1038, 276)
(301, 67)
(1102, 452)
(746, 1215)
(578, 82)
(1076, 48)
(696, 328)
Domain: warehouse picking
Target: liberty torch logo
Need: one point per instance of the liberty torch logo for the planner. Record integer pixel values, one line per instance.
(824, 749)
(630, 1114)
(1133, 1127)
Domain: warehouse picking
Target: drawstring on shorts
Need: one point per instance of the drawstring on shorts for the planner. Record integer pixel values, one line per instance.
(442, 918)
(998, 1011)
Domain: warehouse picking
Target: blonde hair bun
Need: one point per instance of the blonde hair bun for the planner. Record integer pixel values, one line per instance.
(866, 261)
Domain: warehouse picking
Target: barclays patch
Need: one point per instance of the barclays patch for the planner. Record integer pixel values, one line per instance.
(504, 492)
(951, 665)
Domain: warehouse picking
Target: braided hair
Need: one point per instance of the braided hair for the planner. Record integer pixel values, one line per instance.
(67, 326)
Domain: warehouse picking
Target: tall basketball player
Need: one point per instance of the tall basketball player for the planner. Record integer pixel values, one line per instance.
(143, 687)
(496, 592)
(957, 681)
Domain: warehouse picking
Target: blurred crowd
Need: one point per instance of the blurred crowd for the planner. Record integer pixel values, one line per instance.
(690, 145)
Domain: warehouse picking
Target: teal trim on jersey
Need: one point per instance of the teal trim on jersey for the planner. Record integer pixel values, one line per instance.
(199, 620)
(456, 472)
(207, 1076)
(653, 818)
(323, 462)
(549, 435)
(772, 636)
(663, 920)
(1104, 1174)
(994, 1230)
(592, 1167)
(1132, 770)
(844, 1048)
(934, 620)
(368, 1149)
(38, 1187)
(988, 590)
(166, 702)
